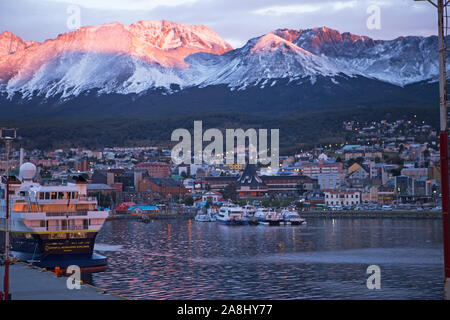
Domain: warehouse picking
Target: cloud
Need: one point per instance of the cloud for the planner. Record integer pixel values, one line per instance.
(292, 9)
(304, 8)
(339, 5)
(130, 5)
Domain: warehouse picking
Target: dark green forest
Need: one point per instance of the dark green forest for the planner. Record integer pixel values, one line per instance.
(296, 131)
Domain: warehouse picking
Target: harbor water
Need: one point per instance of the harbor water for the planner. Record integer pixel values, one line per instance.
(327, 259)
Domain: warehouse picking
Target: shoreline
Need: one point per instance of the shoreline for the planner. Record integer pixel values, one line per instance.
(304, 214)
(159, 216)
(373, 214)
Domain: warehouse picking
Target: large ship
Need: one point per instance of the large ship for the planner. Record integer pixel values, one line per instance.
(51, 225)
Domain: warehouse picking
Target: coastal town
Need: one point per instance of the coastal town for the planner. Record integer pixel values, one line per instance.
(385, 166)
(218, 158)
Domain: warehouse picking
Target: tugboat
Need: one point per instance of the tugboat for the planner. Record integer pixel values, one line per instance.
(291, 217)
(52, 226)
(268, 217)
(231, 215)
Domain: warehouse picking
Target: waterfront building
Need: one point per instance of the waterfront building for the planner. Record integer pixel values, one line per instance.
(370, 195)
(386, 194)
(343, 197)
(124, 206)
(212, 196)
(138, 210)
(251, 184)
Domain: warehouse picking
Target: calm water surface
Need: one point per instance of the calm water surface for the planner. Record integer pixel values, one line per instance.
(327, 259)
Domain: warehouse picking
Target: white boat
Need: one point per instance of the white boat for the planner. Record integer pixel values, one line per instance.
(231, 215)
(51, 226)
(249, 214)
(291, 217)
(268, 216)
(209, 216)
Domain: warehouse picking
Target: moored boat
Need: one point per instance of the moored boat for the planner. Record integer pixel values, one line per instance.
(231, 215)
(209, 216)
(268, 216)
(51, 226)
(249, 214)
(291, 217)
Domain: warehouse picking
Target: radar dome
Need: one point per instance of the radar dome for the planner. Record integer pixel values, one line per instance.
(27, 171)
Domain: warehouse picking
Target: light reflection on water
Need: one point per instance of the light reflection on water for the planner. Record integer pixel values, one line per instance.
(327, 259)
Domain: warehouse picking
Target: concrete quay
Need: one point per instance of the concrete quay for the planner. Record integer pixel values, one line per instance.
(33, 283)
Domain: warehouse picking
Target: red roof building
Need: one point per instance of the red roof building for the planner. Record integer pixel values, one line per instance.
(124, 206)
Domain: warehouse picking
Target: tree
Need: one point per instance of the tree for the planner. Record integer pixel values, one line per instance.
(265, 202)
(189, 201)
(275, 203)
(229, 192)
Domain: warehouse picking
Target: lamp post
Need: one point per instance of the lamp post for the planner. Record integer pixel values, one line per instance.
(7, 135)
(441, 6)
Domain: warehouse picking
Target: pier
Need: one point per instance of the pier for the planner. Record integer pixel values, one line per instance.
(33, 283)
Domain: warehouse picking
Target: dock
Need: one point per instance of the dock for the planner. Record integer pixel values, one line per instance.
(33, 283)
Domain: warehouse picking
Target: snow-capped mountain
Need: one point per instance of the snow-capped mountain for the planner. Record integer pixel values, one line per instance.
(149, 55)
(110, 57)
(262, 61)
(400, 61)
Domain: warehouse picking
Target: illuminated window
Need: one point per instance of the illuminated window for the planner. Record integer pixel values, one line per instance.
(57, 236)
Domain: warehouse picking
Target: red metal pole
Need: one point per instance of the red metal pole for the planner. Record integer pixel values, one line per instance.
(445, 200)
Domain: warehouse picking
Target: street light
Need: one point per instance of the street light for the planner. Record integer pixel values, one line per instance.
(8, 135)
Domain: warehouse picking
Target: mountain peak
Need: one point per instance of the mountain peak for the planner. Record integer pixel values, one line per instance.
(167, 35)
(271, 42)
(11, 43)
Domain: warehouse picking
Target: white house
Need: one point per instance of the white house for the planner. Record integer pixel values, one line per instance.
(342, 197)
(212, 196)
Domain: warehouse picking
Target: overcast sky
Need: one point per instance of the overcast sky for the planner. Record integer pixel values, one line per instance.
(235, 20)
